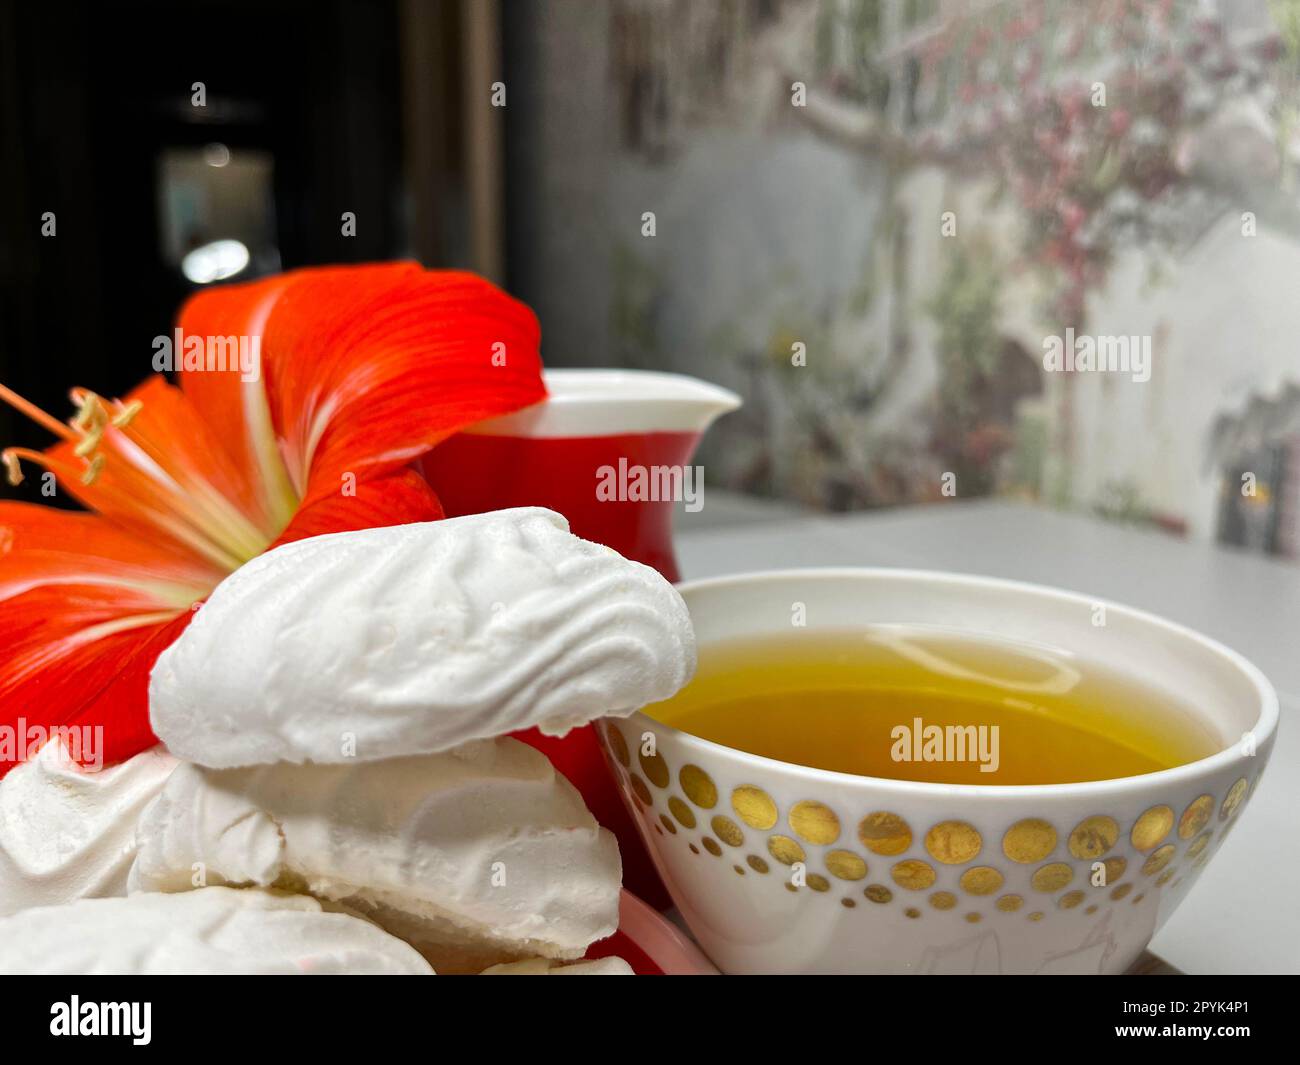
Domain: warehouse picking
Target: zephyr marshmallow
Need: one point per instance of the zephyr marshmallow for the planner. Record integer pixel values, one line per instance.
(416, 639)
(479, 855)
(548, 967)
(68, 832)
(215, 930)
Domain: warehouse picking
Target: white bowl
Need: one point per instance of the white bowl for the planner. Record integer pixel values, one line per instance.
(781, 868)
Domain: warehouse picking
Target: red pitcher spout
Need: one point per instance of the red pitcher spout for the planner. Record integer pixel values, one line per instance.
(608, 449)
(605, 403)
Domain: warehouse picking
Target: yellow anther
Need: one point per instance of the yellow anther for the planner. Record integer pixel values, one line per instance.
(90, 412)
(13, 471)
(126, 415)
(88, 443)
(92, 471)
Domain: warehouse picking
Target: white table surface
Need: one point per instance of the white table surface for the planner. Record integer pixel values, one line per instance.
(1243, 916)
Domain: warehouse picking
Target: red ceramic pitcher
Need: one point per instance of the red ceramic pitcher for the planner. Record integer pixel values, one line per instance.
(604, 449)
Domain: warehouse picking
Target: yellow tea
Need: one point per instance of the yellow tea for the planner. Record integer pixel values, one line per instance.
(920, 703)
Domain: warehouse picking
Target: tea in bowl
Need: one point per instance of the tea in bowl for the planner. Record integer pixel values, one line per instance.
(889, 771)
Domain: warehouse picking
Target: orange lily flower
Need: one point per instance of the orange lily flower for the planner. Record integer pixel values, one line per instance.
(362, 370)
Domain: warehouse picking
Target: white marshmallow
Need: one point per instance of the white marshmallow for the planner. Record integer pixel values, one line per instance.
(416, 639)
(216, 930)
(610, 966)
(478, 855)
(68, 832)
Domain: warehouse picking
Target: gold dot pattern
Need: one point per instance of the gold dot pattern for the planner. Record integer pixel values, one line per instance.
(727, 830)
(1028, 841)
(953, 842)
(640, 790)
(1093, 836)
(754, 806)
(884, 833)
(1196, 816)
(981, 880)
(681, 811)
(814, 822)
(655, 768)
(785, 850)
(913, 874)
(1052, 877)
(1114, 869)
(1236, 795)
(845, 865)
(698, 786)
(619, 746)
(1160, 857)
(1151, 828)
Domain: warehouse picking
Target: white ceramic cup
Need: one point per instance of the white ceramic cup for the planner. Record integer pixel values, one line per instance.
(781, 868)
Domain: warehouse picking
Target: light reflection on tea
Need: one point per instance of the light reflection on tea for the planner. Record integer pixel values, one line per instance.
(931, 704)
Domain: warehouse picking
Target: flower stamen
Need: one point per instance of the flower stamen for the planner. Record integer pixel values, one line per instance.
(90, 415)
(189, 496)
(88, 443)
(13, 468)
(35, 413)
(92, 471)
(141, 487)
(11, 455)
(126, 413)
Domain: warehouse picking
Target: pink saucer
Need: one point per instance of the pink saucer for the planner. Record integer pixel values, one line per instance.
(651, 944)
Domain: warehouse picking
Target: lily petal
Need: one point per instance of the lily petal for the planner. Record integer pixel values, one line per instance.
(80, 599)
(121, 705)
(66, 647)
(364, 368)
(227, 399)
(398, 499)
(44, 547)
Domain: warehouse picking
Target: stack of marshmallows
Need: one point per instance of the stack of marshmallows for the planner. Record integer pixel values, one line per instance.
(338, 792)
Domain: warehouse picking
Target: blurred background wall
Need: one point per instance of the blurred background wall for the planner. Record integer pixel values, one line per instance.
(868, 216)
(1162, 206)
